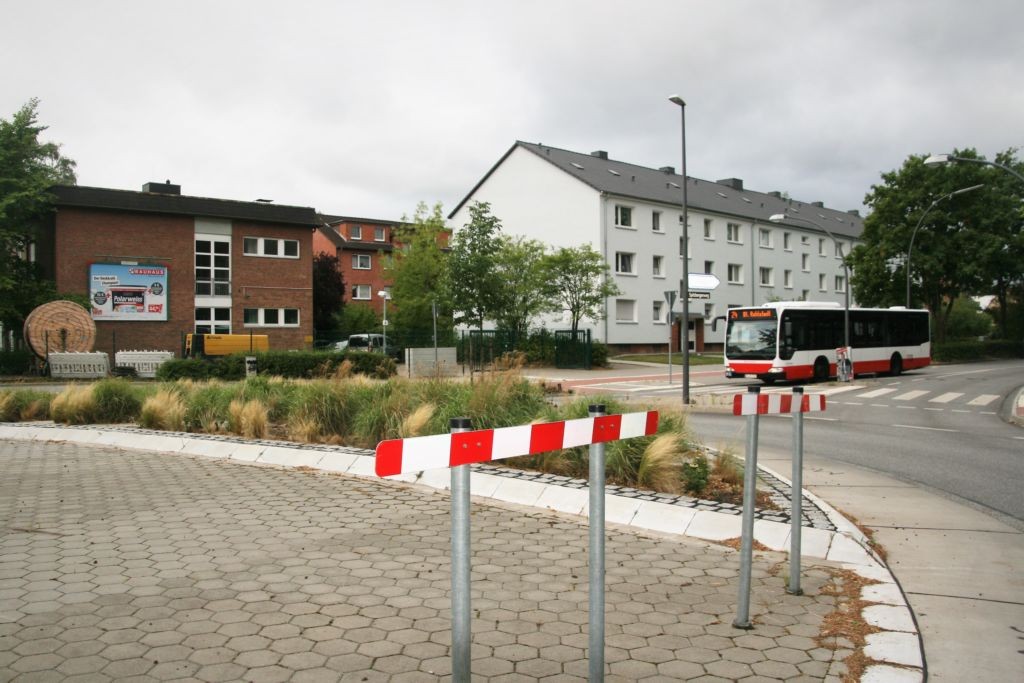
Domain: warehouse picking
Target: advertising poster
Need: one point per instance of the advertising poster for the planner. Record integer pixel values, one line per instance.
(128, 292)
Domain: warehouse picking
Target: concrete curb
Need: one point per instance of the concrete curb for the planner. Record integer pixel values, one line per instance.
(896, 646)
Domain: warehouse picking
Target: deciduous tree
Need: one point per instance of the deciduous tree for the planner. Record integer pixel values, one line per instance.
(578, 279)
(473, 262)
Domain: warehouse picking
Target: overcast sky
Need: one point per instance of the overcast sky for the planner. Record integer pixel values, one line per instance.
(366, 108)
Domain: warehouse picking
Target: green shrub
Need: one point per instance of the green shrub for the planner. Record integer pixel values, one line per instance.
(185, 368)
(695, 474)
(23, 405)
(959, 351)
(599, 355)
(116, 401)
(15, 362)
(290, 364)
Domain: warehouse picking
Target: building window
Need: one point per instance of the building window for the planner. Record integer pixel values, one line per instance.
(765, 277)
(355, 232)
(624, 263)
(840, 283)
(708, 233)
(270, 246)
(709, 311)
(657, 312)
(805, 263)
(656, 221)
(656, 267)
(213, 320)
(732, 233)
(764, 238)
(804, 293)
(821, 247)
(709, 267)
(821, 283)
(625, 311)
(787, 241)
(361, 261)
(361, 292)
(735, 274)
(213, 266)
(787, 279)
(271, 317)
(623, 216)
(805, 240)
(839, 250)
(378, 234)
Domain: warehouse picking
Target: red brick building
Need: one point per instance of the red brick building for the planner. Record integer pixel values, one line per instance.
(157, 264)
(362, 245)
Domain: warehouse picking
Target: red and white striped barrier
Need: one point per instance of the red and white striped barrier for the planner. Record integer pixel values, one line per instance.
(401, 456)
(776, 404)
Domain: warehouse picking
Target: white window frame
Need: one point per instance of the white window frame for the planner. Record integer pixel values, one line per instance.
(261, 247)
(657, 266)
(805, 263)
(355, 232)
(214, 325)
(822, 282)
(379, 234)
(261, 314)
(766, 276)
(656, 221)
(709, 311)
(733, 234)
(627, 259)
(658, 312)
(787, 279)
(358, 259)
(764, 238)
(709, 232)
(821, 246)
(216, 286)
(787, 243)
(840, 283)
(709, 267)
(357, 289)
(839, 250)
(738, 269)
(624, 212)
(632, 304)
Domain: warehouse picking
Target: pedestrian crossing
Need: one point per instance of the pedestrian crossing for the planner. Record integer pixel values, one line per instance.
(859, 394)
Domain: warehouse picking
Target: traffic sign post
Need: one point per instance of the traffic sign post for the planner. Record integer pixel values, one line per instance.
(462, 447)
(670, 297)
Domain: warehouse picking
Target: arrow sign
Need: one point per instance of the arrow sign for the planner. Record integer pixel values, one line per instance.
(705, 281)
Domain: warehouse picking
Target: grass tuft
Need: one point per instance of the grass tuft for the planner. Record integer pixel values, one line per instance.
(74, 405)
(163, 410)
(414, 424)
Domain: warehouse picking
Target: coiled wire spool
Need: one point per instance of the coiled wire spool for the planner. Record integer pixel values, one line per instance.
(59, 326)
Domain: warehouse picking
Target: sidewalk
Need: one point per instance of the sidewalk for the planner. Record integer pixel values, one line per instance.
(185, 545)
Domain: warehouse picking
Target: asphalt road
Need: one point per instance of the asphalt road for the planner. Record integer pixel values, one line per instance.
(939, 427)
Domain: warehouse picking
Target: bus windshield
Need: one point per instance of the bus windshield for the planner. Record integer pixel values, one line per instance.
(751, 339)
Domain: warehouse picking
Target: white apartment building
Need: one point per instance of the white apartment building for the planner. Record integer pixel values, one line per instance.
(633, 216)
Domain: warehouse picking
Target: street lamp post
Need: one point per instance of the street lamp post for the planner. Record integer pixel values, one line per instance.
(780, 217)
(385, 295)
(943, 159)
(684, 328)
(910, 249)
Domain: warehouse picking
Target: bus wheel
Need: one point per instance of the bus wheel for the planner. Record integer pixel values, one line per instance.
(896, 365)
(821, 369)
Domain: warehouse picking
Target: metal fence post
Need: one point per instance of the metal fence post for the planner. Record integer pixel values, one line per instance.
(460, 563)
(742, 619)
(796, 493)
(596, 632)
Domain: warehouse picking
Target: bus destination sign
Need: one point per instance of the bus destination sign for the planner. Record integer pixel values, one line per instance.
(753, 314)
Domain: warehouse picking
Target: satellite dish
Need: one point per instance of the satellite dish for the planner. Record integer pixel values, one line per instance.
(59, 326)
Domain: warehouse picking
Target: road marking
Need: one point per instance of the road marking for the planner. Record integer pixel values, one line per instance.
(983, 400)
(838, 390)
(934, 410)
(960, 411)
(879, 405)
(945, 398)
(825, 419)
(852, 403)
(987, 412)
(876, 393)
(907, 407)
(930, 429)
(910, 395)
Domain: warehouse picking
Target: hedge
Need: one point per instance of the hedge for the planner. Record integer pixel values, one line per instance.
(15, 362)
(292, 364)
(954, 351)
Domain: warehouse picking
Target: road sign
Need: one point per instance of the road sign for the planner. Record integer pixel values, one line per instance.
(703, 281)
(670, 297)
(697, 294)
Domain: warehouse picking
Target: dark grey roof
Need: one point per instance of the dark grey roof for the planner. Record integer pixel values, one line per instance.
(626, 180)
(149, 202)
(354, 219)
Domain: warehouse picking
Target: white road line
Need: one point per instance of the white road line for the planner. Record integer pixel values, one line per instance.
(910, 395)
(986, 412)
(838, 390)
(983, 400)
(823, 419)
(930, 429)
(852, 403)
(934, 410)
(907, 407)
(945, 398)
(879, 405)
(876, 393)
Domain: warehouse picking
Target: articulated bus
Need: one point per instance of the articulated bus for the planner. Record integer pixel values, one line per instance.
(799, 340)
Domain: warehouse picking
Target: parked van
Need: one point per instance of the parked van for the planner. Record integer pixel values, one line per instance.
(362, 342)
(197, 345)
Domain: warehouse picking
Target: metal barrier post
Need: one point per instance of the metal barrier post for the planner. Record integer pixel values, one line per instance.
(742, 619)
(460, 564)
(596, 654)
(796, 494)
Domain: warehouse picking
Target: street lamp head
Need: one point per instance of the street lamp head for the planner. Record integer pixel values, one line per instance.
(966, 189)
(383, 294)
(676, 99)
(937, 160)
(777, 217)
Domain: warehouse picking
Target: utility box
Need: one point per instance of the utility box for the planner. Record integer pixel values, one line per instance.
(145, 363)
(420, 362)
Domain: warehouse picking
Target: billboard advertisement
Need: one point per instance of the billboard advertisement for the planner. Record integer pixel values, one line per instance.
(128, 292)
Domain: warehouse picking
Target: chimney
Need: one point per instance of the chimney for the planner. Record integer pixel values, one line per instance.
(734, 183)
(668, 170)
(162, 188)
(820, 205)
(600, 154)
(775, 193)
(854, 212)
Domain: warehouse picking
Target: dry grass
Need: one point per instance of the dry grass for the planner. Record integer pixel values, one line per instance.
(304, 430)
(660, 464)
(163, 410)
(343, 371)
(249, 418)
(74, 405)
(7, 406)
(845, 626)
(38, 409)
(414, 423)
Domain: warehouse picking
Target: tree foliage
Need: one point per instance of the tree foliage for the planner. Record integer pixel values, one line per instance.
(473, 265)
(578, 280)
(968, 244)
(28, 168)
(328, 291)
(420, 280)
(523, 294)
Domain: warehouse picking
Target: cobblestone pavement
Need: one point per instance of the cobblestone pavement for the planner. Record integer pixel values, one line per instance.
(121, 565)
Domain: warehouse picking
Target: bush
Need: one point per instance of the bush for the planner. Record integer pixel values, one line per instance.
(695, 475)
(15, 362)
(116, 400)
(960, 351)
(164, 410)
(24, 405)
(75, 405)
(599, 355)
(291, 364)
(185, 368)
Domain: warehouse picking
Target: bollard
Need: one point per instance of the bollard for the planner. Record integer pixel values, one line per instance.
(796, 494)
(596, 658)
(460, 563)
(742, 619)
